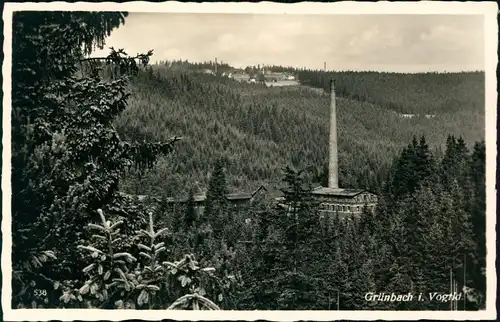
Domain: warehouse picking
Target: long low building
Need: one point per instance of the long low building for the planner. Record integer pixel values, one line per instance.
(240, 197)
(347, 203)
(344, 201)
(281, 83)
(237, 199)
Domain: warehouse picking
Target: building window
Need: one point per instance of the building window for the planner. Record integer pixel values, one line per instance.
(348, 208)
(343, 208)
(357, 208)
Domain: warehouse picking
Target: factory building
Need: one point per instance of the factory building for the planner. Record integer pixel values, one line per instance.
(333, 199)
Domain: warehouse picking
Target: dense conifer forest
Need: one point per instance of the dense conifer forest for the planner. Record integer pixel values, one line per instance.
(86, 130)
(259, 130)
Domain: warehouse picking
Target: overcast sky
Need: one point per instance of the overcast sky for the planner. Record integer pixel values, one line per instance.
(398, 43)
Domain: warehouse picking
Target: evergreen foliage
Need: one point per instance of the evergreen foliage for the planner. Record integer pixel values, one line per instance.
(399, 92)
(410, 244)
(216, 208)
(69, 161)
(260, 130)
(190, 217)
(413, 167)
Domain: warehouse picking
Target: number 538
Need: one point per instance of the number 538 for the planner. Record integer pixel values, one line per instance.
(38, 292)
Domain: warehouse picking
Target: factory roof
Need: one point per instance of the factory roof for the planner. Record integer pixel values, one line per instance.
(326, 191)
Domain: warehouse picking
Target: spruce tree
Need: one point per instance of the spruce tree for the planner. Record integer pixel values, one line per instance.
(477, 175)
(367, 222)
(190, 215)
(414, 165)
(67, 158)
(301, 217)
(425, 160)
(454, 162)
(216, 208)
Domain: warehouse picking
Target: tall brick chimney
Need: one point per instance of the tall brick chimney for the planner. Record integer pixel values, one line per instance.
(333, 181)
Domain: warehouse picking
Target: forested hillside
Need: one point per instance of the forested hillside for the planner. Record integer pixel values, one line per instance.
(424, 93)
(259, 130)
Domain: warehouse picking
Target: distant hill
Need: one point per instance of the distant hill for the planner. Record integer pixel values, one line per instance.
(426, 93)
(259, 130)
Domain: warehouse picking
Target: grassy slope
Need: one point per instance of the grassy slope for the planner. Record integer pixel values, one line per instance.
(260, 130)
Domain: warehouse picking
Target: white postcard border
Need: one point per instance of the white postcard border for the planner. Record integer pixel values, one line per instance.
(488, 9)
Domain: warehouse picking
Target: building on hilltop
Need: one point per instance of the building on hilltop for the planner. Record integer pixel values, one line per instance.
(208, 72)
(282, 83)
(274, 77)
(241, 77)
(277, 77)
(409, 116)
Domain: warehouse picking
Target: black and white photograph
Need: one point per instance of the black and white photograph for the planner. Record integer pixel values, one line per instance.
(252, 161)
